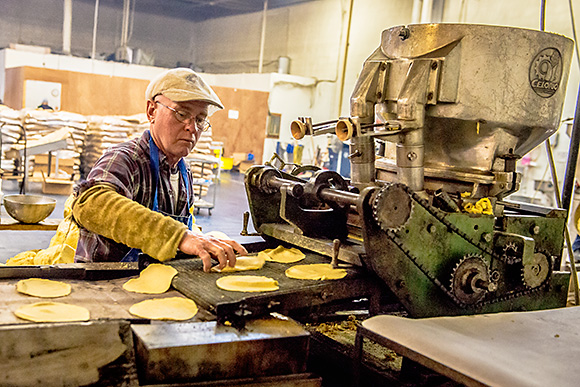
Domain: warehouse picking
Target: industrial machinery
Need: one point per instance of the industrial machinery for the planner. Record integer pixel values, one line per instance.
(438, 119)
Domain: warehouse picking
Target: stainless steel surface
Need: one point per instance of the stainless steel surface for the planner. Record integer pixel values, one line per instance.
(487, 76)
(362, 159)
(207, 351)
(473, 98)
(29, 208)
(501, 349)
(96, 353)
(82, 271)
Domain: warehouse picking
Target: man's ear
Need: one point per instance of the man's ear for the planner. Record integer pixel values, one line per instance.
(151, 110)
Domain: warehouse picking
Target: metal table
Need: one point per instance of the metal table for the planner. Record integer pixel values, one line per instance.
(539, 348)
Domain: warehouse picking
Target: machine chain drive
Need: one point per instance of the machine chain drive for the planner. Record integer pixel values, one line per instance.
(393, 236)
(392, 207)
(537, 277)
(536, 272)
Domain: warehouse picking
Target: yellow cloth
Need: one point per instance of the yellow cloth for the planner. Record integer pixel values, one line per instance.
(482, 206)
(62, 246)
(102, 210)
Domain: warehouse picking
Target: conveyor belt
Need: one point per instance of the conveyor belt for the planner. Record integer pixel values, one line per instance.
(236, 307)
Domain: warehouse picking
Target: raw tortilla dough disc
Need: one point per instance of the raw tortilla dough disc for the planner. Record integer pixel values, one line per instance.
(44, 288)
(283, 255)
(171, 308)
(247, 283)
(315, 271)
(155, 279)
(52, 312)
(252, 262)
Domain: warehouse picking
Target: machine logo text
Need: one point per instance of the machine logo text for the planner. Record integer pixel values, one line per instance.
(546, 72)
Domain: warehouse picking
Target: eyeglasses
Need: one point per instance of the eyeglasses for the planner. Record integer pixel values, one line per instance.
(200, 123)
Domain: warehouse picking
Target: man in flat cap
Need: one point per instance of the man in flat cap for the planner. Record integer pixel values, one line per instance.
(139, 195)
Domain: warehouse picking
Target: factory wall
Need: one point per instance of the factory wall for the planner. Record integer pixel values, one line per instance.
(313, 35)
(40, 22)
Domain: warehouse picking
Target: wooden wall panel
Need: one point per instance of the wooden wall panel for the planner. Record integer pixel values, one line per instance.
(82, 93)
(248, 132)
(92, 94)
(14, 88)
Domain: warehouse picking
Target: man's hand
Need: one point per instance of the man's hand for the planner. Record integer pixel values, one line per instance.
(207, 247)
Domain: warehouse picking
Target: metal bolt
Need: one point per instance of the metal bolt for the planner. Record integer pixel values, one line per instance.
(487, 237)
(535, 230)
(412, 156)
(434, 66)
(404, 33)
(356, 153)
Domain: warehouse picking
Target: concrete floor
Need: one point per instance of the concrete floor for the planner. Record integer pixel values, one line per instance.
(227, 215)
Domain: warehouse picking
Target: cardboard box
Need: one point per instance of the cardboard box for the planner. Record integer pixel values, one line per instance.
(41, 164)
(57, 186)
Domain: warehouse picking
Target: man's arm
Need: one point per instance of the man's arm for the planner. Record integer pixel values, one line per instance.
(100, 209)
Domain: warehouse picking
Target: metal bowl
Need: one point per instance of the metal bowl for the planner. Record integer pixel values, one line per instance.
(29, 208)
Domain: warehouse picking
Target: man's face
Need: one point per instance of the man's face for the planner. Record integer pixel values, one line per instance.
(174, 138)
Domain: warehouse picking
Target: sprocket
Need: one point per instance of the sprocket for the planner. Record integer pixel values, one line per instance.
(534, 273)
(510, 254)
(392, 207)
(470, 279)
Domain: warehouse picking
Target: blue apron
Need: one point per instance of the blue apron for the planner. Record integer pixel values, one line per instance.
(133, 254)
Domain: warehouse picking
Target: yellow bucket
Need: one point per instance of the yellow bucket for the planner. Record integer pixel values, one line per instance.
(227, 163)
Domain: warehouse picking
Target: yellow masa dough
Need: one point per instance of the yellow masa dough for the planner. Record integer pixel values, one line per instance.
(247, 283)
(171, 308)
(283, 255)
(315, 271)
(44, 288)
(252, 262)
(52, 312)
(155, 279)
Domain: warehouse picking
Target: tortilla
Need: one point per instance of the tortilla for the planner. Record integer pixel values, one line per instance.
(155, 279)
(171, 308)
(283, 255)
(251, 262)
(315, 271)
(247, 283)
(44, 288)
(52, 312)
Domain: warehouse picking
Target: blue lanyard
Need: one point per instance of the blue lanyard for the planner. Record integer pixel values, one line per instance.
(133, 254)
(154, 160)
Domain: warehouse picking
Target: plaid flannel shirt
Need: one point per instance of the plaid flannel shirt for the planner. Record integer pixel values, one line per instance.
(127, 167)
